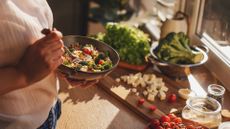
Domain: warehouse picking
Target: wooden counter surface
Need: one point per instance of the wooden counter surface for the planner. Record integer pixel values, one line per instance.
(93, 108)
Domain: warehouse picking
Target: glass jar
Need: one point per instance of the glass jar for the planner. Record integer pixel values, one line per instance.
(217, 92)
(224, 125)
(204, 110)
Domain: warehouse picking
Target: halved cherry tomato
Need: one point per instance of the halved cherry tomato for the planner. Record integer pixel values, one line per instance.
(101, 62)
(87, 51)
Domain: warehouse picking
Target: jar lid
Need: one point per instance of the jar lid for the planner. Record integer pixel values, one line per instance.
(224, 125)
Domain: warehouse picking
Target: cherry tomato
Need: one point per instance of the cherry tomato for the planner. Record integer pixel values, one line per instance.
(101, 62)
(155, 123)
(87, 51)
(177, 120)
(152, 108)
(172, 116)
(172, 98)
(141, 101)
(165, 119)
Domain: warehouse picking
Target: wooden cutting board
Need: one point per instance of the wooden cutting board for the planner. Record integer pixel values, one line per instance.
(124, 95)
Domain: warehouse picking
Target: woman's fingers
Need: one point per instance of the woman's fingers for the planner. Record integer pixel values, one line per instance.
(52, 36)
(53, 46)
(49, 31)
(53, 58)
(57, 59)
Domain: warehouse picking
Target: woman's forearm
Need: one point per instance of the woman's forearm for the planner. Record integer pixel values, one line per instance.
(11, 79)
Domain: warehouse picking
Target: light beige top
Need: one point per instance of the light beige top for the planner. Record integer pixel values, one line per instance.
(21, 22)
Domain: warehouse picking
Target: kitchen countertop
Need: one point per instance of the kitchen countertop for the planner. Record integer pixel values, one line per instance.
(93, 108)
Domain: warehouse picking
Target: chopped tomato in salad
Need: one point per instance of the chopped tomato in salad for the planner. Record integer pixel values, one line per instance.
(87, 58)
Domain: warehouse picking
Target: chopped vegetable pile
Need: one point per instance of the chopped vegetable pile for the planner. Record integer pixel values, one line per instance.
(171, 121)
(131, 43)
(175, 48)
(87, 59)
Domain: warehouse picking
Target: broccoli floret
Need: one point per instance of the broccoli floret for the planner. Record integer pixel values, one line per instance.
(83, 63)
(175, 48)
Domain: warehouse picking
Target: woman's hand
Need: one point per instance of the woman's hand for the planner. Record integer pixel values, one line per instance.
(43, 57)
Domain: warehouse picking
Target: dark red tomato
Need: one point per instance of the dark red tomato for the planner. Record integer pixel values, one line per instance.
(172, 98)
(155, 123)
(87, 51)
(177, 120)
(101, 62)
(172, 116)
(190, 127)
(165, 119)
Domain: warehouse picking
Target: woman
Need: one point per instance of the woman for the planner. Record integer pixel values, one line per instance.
(28, 59)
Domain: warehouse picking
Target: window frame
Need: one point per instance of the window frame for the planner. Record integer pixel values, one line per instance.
(216, 63)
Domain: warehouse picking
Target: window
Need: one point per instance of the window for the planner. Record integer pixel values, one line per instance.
(216, 19)
(209, 24)
(215, 23)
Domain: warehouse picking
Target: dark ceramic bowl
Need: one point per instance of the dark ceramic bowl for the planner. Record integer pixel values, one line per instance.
(177, 70)
(100, 46)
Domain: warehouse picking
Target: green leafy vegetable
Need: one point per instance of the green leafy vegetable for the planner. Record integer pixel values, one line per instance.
(131, 43)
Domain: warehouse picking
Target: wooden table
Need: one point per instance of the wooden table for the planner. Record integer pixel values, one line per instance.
(92, 108)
